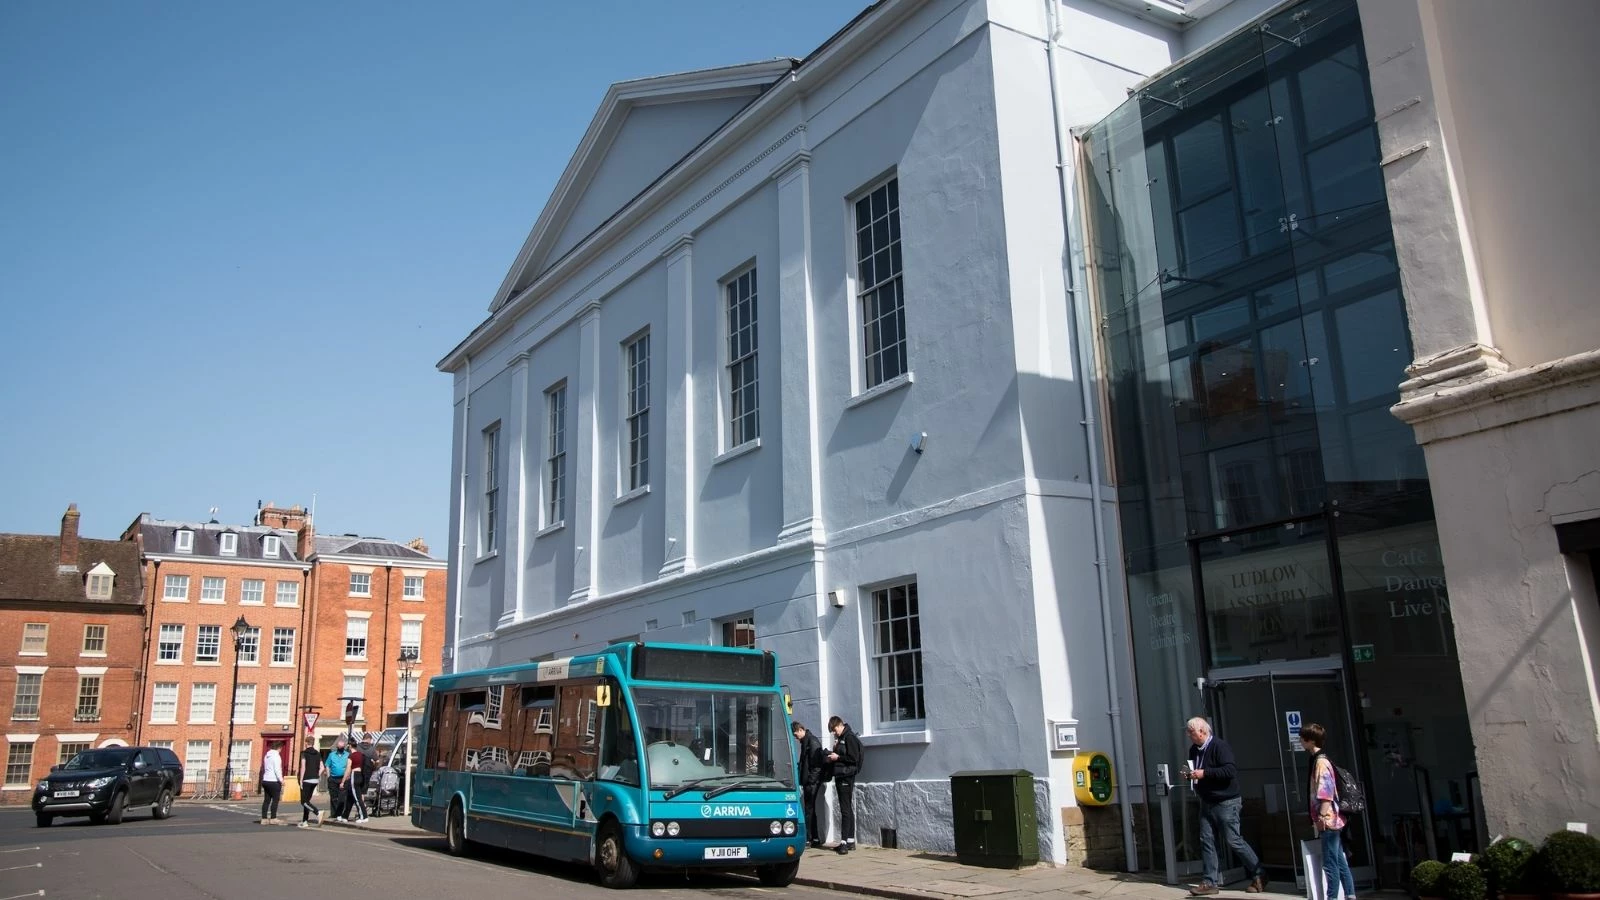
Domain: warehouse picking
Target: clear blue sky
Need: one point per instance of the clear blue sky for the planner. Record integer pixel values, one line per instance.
(235, 238)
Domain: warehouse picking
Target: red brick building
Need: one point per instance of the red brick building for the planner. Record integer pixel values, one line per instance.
(72, 626)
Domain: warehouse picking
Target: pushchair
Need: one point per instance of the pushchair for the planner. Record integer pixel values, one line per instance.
(384, 798)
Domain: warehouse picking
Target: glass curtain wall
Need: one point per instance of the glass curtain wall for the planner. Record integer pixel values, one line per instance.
(1273, 511)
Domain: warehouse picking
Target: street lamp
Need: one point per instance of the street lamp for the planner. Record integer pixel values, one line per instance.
(408, 666)
(240, 629)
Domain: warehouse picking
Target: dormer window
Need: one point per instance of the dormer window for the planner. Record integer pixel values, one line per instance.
(185, 541)
(230, 544)
(269, 546)
(100, 582)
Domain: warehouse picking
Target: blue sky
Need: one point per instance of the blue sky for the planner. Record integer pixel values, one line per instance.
(235, 238)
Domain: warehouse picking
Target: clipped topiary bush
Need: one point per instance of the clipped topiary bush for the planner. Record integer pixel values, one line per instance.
(1425, 878)
(1462, 881)
(1505, 864)
(1568, 863)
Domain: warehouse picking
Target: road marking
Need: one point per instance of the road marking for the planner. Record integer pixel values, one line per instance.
(39, 893)
(29, 866)
(19, 850)
(432, 854)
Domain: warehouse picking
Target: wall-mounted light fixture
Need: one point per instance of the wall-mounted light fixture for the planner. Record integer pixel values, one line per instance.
(918, 441)
(836, 598)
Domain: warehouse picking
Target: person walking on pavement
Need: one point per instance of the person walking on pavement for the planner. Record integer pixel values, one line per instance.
(1326, 818)
(1214, 777)
(354, 783)
(811, 765)
(310, 774)
(271, 785)
(846, 760)
(337, 763)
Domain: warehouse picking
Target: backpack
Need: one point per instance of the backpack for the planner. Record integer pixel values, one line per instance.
(1351, 796)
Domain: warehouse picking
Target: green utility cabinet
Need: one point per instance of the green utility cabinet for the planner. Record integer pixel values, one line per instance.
(995, 823)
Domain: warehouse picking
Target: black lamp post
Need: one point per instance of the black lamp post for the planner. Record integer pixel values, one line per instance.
(408, 666)
(239, 629)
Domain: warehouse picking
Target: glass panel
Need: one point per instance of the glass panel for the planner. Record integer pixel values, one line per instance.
(1210, 232)
(1222, 318)
(1267, 595)
(1201, 154)
(1333, 91)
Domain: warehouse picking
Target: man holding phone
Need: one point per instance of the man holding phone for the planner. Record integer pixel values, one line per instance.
(1212, 774)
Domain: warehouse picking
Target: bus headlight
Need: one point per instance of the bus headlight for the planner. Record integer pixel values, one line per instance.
(672, 829)
(788, 828)
(775, 827)
(657, 829)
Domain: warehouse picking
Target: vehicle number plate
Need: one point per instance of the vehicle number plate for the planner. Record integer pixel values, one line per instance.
(727, 853)
(60, 794)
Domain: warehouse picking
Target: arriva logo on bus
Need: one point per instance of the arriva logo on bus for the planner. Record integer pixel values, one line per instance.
(710, 811)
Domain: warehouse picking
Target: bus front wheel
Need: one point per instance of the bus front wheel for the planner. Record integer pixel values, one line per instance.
(611, 859)
(455, 830)
(780, 874)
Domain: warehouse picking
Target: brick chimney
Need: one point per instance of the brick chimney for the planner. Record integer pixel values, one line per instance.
(304, 539)
(69, 538)
(419, 545)
(276, 517)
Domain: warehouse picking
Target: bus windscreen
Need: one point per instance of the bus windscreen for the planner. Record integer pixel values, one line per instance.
(683, 664)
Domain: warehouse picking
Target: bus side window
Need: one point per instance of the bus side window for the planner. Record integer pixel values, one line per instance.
(534, 738)
(621, 760)
(577, 733)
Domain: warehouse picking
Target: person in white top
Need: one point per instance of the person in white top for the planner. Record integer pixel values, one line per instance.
(271, 786)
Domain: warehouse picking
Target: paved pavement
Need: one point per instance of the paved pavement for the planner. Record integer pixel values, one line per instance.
(908, 875)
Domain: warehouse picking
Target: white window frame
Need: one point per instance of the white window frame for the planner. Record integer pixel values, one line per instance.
(100, 585)
(240, 769)
(406, 626)
(244, 704)
(19, 763)
(36, 695)
(279, 698)
(555, 459)
(635, 442)
(204, 636)
(208, 595)
(355, 686)
(276, 633)
(356, 633)
(409, 581)
(249, 645)
(878, 366)
(293, 592)
(162, 641)
(199, 706)
(884, 685)
(741, 369)
(260, 592)
(104, 634)
(183, 542)
(172, 581)
(228, 544)
(164, 698)
(271, 546)
(364, 580)
(89, 712)
(35, 639)
(489, 514)
(193, 775)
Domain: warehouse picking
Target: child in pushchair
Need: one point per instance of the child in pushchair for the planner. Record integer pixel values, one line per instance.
(384, 792)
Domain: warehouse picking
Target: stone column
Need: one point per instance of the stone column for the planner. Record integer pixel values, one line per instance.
(678, 419)
(797, 385)
(516, 434)
(586, 471)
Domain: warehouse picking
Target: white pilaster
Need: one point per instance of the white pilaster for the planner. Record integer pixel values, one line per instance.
(797, 383)
(677, 450)
(586, 482)
(515, 608)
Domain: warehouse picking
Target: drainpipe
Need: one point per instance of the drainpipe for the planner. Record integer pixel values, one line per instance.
(146, 650)
(461, 514)
(1085, 351)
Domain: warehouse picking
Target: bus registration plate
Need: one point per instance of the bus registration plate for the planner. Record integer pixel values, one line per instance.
(727, 853)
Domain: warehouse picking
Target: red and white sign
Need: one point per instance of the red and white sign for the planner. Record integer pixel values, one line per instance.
(311, 722)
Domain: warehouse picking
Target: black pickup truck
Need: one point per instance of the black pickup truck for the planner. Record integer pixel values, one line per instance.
(104, 783)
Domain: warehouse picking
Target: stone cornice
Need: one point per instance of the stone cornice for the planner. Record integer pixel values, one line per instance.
(1499, 399)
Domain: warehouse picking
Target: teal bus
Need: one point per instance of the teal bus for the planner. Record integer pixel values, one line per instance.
(638, 757)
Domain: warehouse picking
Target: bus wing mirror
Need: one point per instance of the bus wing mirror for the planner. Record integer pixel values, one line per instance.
(602, 695)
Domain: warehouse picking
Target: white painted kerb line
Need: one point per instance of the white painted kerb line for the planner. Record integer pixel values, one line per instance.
(28, 866)
(39, 893)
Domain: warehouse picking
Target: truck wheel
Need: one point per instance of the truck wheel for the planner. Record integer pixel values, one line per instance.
(114, 811)
(455, 830)
(163, 807)
(43, 820)
(780, 874)
(611, 859)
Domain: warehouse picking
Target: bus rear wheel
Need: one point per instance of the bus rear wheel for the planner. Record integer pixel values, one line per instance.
(455, 830)
(611, 859)
(779, 874)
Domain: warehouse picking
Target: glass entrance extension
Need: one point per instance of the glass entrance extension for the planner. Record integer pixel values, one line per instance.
(1272, 510)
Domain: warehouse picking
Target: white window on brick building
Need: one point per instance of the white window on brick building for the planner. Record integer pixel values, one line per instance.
(355, 637)
(283, 646)
(250, 646)
(165, 745)
(208, 643)
(69, 749)
(19, 764)
(175, 588)
(88, 709)
(25, 699)
(230, 544)
(169, 646)
(239, 762)
(203, 703)
(413, 588)
(197, 764)
(35, 638)
(184, 542)
(101, 581)
(355, 686)
(244, 704)
(253, 591)
(411, 639)
(164, 702)
(213, 590)
(288, 594)
(94, 640)
(360, 584)
(278, 698)
(270, 546)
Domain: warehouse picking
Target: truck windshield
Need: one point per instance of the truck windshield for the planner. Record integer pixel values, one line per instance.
(716, 738)
(98, 759)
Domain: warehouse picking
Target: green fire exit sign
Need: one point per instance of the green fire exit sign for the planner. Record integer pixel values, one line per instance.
(1363, 653)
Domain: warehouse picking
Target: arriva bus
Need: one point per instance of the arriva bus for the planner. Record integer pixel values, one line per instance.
(641, 756)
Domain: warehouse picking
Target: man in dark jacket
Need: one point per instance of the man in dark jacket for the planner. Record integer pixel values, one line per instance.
(809, 752)
(846, 761)
(1212, 773)
(310, 774)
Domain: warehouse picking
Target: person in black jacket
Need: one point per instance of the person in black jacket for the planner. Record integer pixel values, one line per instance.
(846, 762)
(811, 762)
(310, 774)
(1212, 774)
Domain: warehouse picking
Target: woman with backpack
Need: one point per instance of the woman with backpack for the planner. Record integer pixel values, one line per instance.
(1325, 816)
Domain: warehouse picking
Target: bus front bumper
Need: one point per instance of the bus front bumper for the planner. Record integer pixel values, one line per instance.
(716, 853)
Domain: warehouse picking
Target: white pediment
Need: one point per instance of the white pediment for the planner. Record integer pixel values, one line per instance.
(642, 129)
